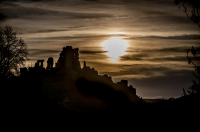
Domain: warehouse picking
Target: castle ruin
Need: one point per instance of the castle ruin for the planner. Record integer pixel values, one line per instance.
(69, 59)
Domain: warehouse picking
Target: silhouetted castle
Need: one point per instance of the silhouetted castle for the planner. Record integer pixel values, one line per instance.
(69, 61)
(69, 58)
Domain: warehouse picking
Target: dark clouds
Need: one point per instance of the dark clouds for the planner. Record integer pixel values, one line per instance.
(42, 31)
(167, 19)
(36, 52)
(177, 37)
(171, 59)
(14, 10)
(138, 69)
(173, 49)
(77, 36)
(147, 13)
(156, 59)
(152, 54)
(98, 36)
(182, 37)
(137, 57)
(44, 51)
(149, 70)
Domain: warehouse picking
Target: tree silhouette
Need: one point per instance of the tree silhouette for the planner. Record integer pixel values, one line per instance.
(195, 88)
(13, 52)
(194, 7)
(195, 17)
(195, 52)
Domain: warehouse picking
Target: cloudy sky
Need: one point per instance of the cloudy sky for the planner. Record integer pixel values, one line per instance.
(153, 36)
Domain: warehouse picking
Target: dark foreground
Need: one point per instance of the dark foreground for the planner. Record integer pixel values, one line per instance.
(28, 105)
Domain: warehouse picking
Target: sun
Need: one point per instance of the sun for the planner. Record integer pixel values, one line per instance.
(116, 47)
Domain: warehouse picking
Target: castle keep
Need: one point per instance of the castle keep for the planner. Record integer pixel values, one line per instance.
(69, 58)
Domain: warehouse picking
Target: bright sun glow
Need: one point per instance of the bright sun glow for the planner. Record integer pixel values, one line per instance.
(116, 47)
(116, 33)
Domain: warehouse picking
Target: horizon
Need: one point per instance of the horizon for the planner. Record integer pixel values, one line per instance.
(153, 39)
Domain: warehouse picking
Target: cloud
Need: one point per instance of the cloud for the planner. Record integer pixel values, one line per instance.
(88, 15)
(165, 20)
(74, 36)
(43, 51)
(139, 69)
(175, 59)
(136, 57)
(156, 55)
(178, 37)
(148, 52)
(15, 10)
(155, 13)
(181, 37)
(156, 59)
(46, 31)
(172, 49)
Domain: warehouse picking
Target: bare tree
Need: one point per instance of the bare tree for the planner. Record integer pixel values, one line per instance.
(13, 52)
(193, 6)
(190, 5)
(195, 88)
(196, 56)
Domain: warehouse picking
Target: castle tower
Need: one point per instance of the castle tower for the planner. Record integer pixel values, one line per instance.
(69, 58)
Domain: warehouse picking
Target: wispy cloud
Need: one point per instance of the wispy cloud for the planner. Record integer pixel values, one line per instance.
(152, 54)
(14, 10)
(44, 50)
(178, 37)
(181, 37)
(133, 57)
